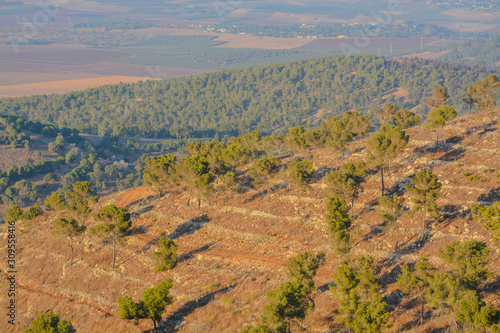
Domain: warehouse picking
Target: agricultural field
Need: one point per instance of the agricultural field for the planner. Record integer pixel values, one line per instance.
(63, 86)
(52, 63)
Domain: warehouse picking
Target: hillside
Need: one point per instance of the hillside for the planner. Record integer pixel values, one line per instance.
(227, 103)
(234, 251)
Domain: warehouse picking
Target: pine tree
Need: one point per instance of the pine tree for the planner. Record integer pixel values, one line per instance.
(296, 139)
(390, 210)
(68, 227)
(152, 305)
(338, 224)
(77, 199)
(304, 268)
(161, 171)
(195, 176)
(483, 93)
(438, 98)
(385, 145)
(386, 114)
(50, 322)
(299, 173)
(416, 281)
(335, 133)
(468, 262)
(228, 184)
(437, 119)
(166, 256)
(14, 213)
(489, 216)
(287, 304)
(346, 182)
(405, 119)
(474, 312)
(115, 223)
(425, 191)
(263, 171)
(55, 201)
(357, 291)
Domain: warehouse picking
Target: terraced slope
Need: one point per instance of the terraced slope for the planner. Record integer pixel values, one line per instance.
(233, 253)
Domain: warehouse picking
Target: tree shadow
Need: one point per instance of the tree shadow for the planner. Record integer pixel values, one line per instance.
(191, 254)
(485, 128)
(447, 218)
(419, 151)
(320, 174)
(410, 247)
(139, 230)
(173, 322)
(265, 192)
(325, 287)
(244, 184)
(143, 210)
(455, 139)
(374, 231)
(393, 299)
(454, 154)
(145, 200)
(124, 261)
(189, 227)
(492, 196)
(399, 187)
(392, 276)
(492, 287)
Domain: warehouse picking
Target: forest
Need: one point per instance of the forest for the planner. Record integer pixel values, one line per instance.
(484, 53)
(273, 98)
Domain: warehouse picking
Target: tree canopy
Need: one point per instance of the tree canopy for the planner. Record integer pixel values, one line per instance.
(50, 323)
(152, 305)
(385, 145)
(114, 224)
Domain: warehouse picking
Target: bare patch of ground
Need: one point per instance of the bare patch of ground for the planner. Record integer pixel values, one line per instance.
(398, 93)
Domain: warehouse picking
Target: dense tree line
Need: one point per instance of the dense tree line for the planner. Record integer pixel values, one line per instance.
(272, 97)
(407, 29)
(485, 53)
(113, 24)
